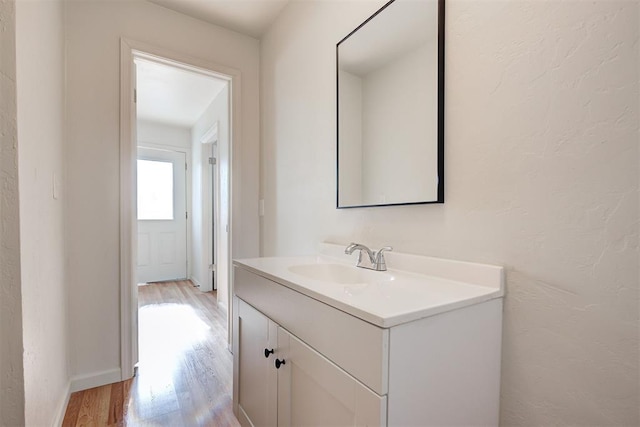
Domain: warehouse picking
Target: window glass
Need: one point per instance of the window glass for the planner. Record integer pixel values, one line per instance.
(155, 190)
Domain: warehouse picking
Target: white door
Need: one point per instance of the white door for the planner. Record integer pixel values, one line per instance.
(162, 215)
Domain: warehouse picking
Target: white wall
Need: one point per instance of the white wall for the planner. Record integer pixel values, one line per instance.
(93, 31)
(11, 363)
(217, 111)
(541, 157)
(350, 137)
(154, 133)
(40, 78)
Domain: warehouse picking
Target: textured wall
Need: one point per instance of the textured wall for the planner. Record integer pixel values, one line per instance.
(11, 374)
(40, 46)
(541, 177)
(93, 32)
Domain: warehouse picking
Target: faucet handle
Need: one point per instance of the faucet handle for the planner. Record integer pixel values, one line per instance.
(380, 256)
(380, 263)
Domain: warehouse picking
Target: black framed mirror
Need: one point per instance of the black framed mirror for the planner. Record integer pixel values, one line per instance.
(390, 107)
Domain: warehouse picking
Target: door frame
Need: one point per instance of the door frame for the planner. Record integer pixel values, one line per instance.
(209, 145)
(130, 49)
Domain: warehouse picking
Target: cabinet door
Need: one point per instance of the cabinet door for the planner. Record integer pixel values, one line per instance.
(257, 404)
(312, 391)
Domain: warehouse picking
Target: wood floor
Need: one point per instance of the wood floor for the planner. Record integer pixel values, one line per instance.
(185, 372)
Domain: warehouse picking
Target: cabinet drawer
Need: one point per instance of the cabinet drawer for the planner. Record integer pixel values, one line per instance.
(358, 347)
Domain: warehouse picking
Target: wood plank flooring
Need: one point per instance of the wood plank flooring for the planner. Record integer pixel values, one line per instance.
(185, 372)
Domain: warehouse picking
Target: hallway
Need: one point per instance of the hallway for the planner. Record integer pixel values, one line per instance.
(185, 371)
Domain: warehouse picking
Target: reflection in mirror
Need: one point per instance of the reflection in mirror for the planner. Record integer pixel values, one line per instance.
(390, 102)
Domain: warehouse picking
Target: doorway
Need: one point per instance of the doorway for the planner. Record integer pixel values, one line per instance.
(207, 195)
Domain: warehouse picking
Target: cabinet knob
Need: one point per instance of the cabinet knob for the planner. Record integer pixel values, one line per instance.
(267, 352)
(279, 363)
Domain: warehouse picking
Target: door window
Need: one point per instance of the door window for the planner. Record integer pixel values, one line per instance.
(155, 190)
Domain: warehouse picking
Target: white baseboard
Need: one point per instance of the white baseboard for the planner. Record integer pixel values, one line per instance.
(62, 406)
(96, 379)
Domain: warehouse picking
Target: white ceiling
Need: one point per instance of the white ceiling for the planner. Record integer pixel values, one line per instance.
(173, 96)
(251, 17)
(178, 97)
(401, 28)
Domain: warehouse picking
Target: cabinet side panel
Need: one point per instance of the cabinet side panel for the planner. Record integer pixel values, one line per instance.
(445, 369)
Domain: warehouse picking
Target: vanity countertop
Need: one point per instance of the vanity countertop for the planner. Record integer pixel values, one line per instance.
(420, 287)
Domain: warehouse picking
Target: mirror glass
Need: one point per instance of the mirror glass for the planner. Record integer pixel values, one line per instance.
(390, 75)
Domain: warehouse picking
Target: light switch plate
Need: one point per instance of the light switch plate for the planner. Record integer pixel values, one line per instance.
(56, 186)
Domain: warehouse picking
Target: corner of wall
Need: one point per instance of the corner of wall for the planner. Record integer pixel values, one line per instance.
(11, 345)
(62, 406)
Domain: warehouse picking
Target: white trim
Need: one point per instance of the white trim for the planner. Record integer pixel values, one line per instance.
(235, 140)
(211, 135)
(208, 149)
(222, 306)
(128, 226)
(150, 144)
(211, 211)
(96, 379)
(62, 406)
(128, 145)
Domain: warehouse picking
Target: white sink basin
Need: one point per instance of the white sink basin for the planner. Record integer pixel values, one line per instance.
(412, 288)
(339, 273)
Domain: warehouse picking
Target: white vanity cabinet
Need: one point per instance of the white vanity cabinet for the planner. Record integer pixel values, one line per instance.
(304, 389)
(346, 364)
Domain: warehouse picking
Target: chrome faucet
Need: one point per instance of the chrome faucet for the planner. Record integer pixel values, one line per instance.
(376, 259)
